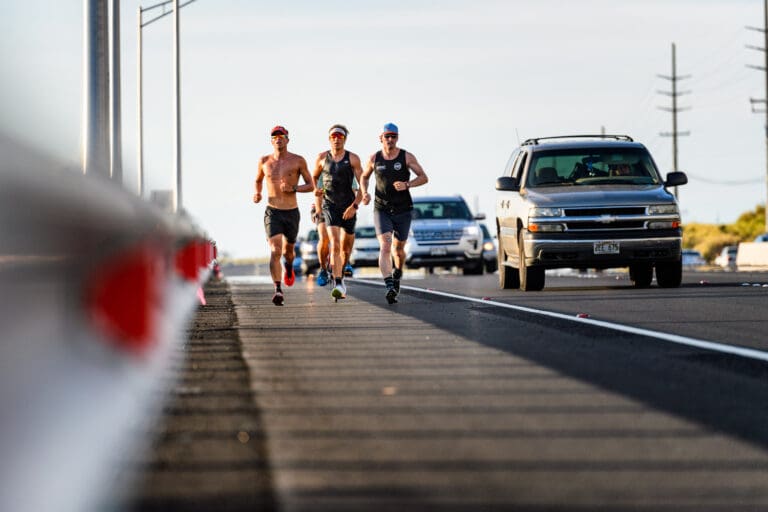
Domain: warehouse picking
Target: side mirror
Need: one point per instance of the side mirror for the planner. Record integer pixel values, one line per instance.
(480, 216)
(676, 178)
(507, 183)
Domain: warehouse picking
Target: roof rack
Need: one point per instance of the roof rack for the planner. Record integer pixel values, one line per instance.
(533, 142)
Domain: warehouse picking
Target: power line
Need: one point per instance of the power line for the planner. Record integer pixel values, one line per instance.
(751, 181)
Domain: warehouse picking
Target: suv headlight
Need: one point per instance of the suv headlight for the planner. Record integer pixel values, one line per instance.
(471, 230)
(545, 212)
(662, 209)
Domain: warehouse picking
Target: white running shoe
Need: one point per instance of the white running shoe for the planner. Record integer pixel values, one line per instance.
(339, 292)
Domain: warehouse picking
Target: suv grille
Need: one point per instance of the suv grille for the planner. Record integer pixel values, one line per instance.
(428, 236)
(596, 212)
(606, 218)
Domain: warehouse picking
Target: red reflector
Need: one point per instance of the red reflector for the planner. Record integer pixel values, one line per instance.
(124, 296)
(188, 261)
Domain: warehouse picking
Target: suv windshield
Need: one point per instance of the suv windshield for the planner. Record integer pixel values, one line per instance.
(591, 166)
(441, 210)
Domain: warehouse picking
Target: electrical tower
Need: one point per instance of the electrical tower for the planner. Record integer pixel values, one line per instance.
(674, 109)
(755, 102)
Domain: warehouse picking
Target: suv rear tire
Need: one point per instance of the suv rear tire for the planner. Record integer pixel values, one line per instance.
(531, 278)
(641, 274)
(669, 274)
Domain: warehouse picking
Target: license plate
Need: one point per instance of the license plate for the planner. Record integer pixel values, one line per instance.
(438, 251)
(606, 248)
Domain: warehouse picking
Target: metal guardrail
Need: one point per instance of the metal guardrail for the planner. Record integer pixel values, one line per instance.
(97, 289)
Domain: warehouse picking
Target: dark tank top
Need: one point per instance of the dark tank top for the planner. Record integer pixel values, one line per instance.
(387, 172)
(337, 181)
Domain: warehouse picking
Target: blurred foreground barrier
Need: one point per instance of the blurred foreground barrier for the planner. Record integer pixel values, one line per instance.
(752, 256)
(97, 287)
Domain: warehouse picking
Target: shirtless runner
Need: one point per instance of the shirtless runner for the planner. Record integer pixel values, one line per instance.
(281, 217)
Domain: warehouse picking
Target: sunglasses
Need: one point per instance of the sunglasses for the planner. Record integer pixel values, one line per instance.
(338, 136)
(278, 137)
(390, 136)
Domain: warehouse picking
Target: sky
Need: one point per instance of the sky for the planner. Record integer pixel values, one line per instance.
(464, 80)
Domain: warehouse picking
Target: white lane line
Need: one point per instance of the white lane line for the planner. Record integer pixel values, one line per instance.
(674, 338)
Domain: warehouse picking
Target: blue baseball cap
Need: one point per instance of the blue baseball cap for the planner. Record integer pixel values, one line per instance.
(389, 128)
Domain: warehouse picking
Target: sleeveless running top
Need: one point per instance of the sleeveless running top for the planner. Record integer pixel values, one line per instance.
(338, 178)
(387, 172)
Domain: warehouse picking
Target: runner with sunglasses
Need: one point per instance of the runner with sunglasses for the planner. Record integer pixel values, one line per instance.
(393, 204)
(339, 170)
(281, 217)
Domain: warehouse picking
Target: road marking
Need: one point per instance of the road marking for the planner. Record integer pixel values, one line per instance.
(674, 338)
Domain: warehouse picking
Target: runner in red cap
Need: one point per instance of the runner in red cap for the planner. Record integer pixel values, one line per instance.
(339, 170)
(281, 217)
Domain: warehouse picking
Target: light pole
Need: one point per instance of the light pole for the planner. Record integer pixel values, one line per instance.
(140, 92)
(95, 123)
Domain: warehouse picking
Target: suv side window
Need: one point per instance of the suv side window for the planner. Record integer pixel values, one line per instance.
(517, 170)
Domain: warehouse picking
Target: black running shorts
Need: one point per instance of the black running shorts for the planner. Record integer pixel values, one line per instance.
(282, 222)
(335, 217)
(397, 223)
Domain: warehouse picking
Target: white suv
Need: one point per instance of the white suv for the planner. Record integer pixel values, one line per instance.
(444, 233)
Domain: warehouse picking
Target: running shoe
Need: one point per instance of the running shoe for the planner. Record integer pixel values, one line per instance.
(277, 298)
(396, 275)
(391, 296)
(348, 270)
(339, 292)
(322, 277)
(288, 276)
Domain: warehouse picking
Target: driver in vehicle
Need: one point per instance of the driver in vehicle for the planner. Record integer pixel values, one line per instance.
(621, 170)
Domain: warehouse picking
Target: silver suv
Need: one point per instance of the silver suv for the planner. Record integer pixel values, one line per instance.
(587, 201)
(444, 233)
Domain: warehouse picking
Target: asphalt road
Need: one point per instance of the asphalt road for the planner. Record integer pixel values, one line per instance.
(727, 307)
(444, 403)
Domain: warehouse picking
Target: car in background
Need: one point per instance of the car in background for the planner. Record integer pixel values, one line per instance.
(761, 238)
(490, 256)
(308, 252)
(444, 233)
(727, 257)
(365, 251)
(693, 258)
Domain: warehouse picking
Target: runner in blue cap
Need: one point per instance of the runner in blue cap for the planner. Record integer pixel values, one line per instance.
(393, 204)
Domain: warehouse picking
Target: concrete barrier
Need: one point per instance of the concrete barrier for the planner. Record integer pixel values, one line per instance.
(752, 256)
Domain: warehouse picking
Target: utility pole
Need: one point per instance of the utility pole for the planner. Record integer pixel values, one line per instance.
(753, 101)
(674, 109)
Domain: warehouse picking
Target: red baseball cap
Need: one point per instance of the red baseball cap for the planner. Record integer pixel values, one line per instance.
(279, 130)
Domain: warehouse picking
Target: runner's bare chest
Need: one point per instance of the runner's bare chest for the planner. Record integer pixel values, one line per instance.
(285, 168)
